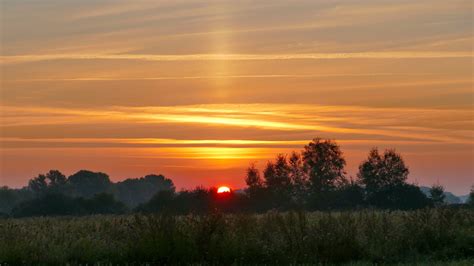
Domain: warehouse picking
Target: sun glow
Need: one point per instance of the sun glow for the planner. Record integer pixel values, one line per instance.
(223, 189)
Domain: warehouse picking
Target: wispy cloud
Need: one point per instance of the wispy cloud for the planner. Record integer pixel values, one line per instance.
(256, 76)
(8, 59)
(341, 121)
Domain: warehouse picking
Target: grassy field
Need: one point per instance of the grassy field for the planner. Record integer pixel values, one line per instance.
(432, 236)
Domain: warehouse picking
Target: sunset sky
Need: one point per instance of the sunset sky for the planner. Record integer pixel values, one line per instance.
(196, 90)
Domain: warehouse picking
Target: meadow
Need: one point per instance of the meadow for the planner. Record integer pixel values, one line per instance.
(427, 236)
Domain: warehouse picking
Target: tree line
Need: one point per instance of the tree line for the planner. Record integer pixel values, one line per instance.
(84, 192)
(313, 179)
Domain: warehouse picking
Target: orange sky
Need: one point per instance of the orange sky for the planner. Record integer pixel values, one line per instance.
(197, 90)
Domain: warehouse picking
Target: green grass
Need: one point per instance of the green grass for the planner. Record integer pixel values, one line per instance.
(426, 237)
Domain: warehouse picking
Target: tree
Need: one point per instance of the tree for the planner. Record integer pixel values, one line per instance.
(298, 178)
(135, 191)
(269, 174)
(281, 179)
(379, 172)
(278, 182)
(253, 180)
(196, 200)
(51, 181)
(384, 178)
(56, 178)
(38, 184)
(282, 185)
(437, 195)
(257, 196)
(324, 164)
(86, 183)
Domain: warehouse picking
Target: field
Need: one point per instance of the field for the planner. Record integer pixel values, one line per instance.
(431, 236)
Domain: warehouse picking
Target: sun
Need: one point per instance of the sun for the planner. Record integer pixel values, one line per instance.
(223, 189)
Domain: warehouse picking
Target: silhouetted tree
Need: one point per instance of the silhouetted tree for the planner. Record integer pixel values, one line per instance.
(197, 200)
(278, 182)
(269, 174)
(324, 164)
(381, 171)
(384, 179)
(298, 178)
(139, 190)
(51, 181)
(437, 195)
(86, 183)
(253, 180)
(257, 196)
(281, 179)
(38, 184)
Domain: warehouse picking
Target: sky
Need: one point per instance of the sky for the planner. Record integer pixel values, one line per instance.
(198, 90)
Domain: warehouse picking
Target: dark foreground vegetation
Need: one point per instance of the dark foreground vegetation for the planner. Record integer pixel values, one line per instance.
(383, 237)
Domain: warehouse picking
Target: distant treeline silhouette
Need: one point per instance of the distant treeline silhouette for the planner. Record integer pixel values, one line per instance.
(84, 192)
(313, 179)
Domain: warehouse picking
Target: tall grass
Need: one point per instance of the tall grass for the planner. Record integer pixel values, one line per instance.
(272, 238)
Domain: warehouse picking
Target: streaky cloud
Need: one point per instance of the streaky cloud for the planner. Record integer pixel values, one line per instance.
(9, 59)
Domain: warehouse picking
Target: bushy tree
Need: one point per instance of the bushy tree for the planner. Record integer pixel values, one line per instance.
(253, 180)
(384, 179)
(381, 171)
(278, 182)
(87, 183)
(437, 195)
(299, 179)
(324, 163)
(257, 195)
(49, 182)
(140, 190)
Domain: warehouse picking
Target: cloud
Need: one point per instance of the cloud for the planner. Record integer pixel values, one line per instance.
(341, 122)
(9, 59)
